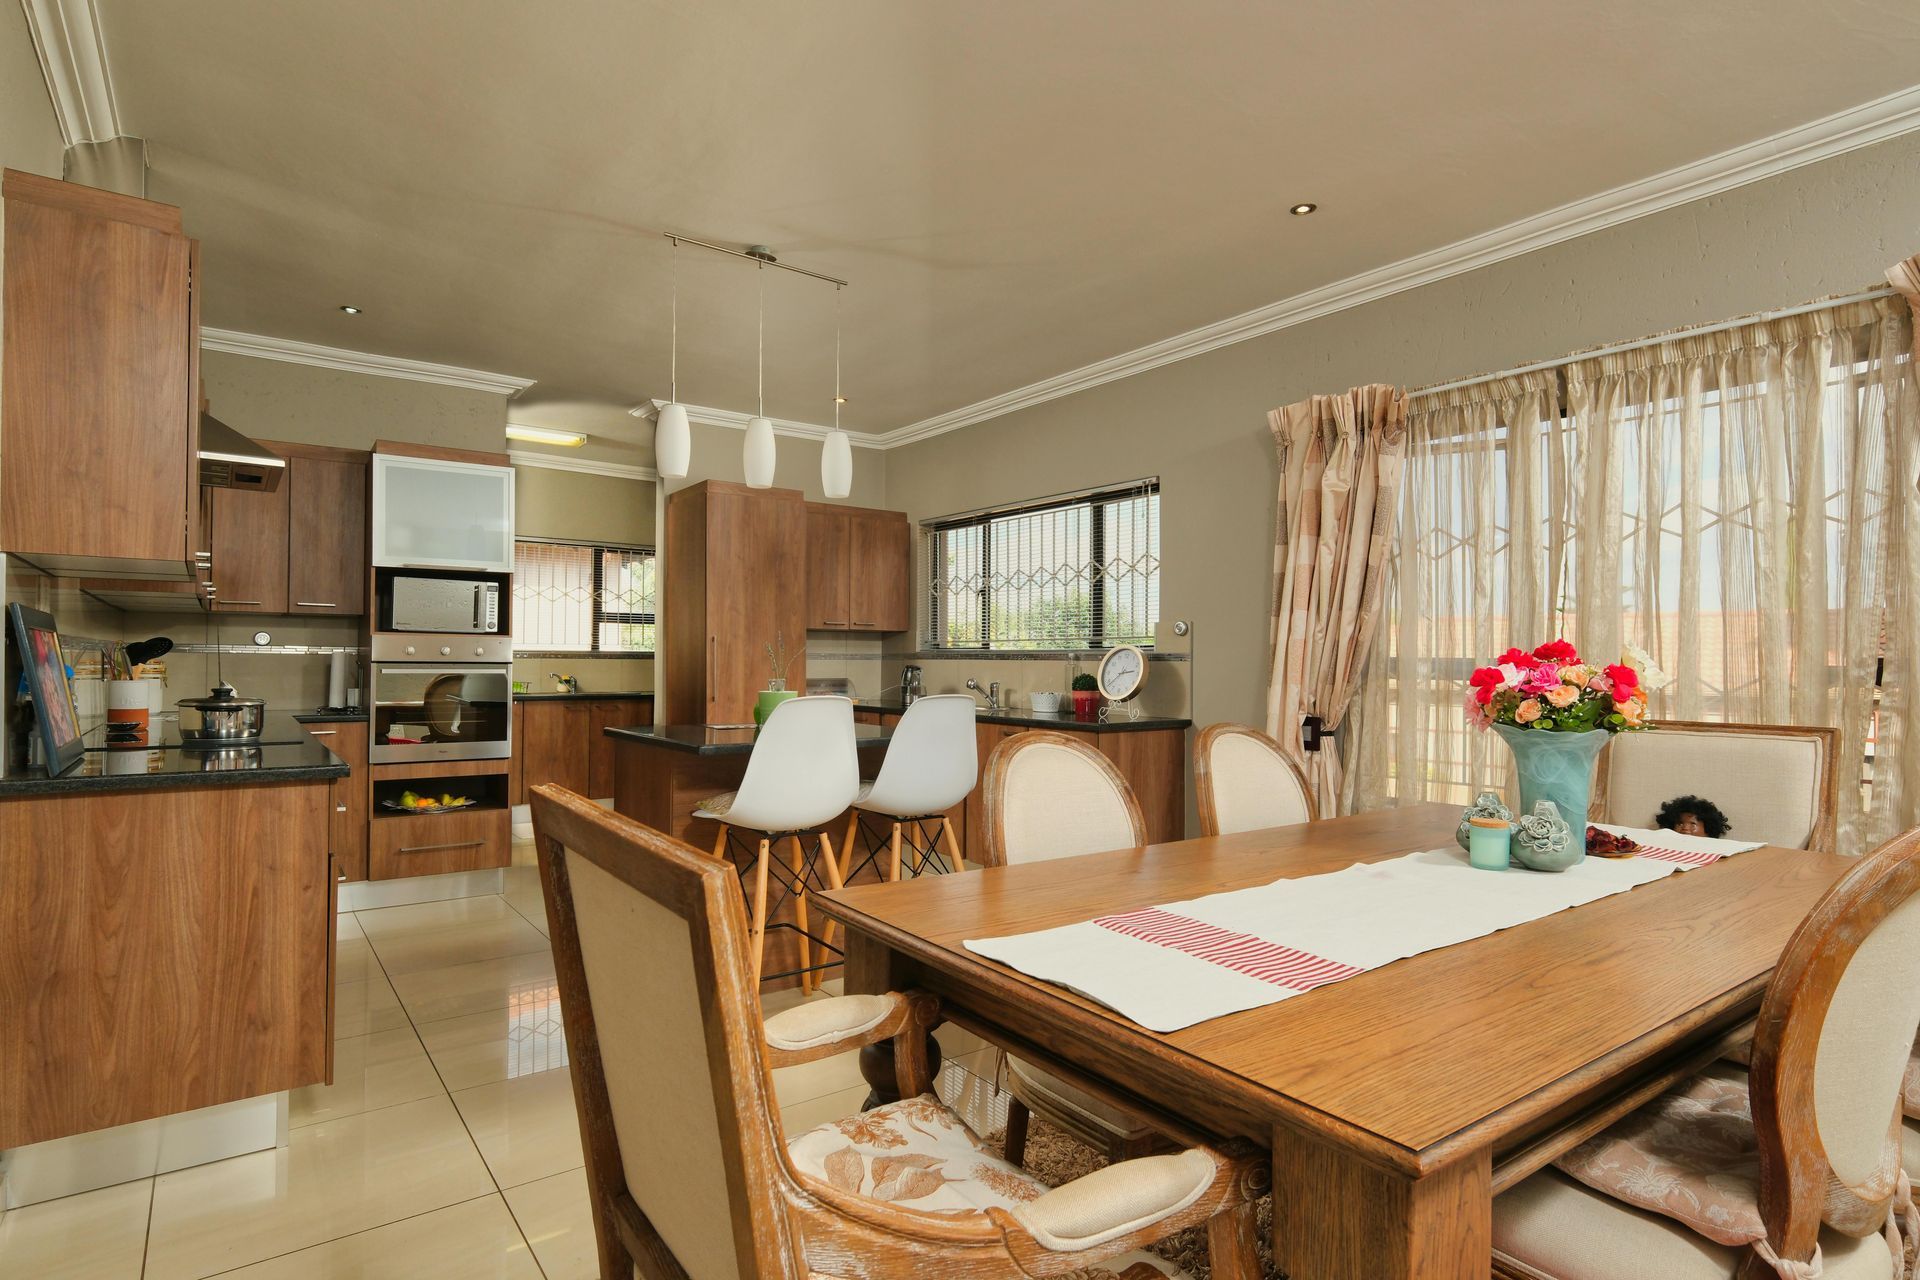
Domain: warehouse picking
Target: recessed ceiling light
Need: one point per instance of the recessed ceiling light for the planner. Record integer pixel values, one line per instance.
(352, 311)
(545, 435)
(1302, 210)
(839, 399)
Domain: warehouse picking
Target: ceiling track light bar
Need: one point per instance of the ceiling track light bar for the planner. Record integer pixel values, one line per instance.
(763, 257)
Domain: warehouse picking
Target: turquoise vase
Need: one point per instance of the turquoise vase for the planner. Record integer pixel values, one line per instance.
(1555, 766)
(769, 699)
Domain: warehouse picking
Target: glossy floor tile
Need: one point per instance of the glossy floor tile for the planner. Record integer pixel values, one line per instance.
(101, 1235)
(802, 1116)
(330, 1180)
(419, 917)
(554, 1216)
(477, 1240)
(346, 926)
(525, 1128)
(353, 959)
(817, 1079)
(524, 895)
(434, 995)
(372, 1071)
(410, 951)
(366, 1006)
(523, 1039)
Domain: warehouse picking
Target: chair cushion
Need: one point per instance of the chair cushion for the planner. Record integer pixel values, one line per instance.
(818, 1022)
(919, 1155)
(715, 806)
(1048, 1094)
(1108, 1203)
(1561, 1229)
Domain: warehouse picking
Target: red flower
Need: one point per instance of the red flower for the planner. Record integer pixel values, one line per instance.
(1520, 658)
(1557, 651)
(1625, 681)
(1484, 681)
(1483, 695)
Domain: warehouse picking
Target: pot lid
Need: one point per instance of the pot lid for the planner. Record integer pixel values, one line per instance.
(222, 698)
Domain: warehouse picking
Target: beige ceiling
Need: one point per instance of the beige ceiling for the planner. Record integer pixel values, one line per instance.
(1013, 189)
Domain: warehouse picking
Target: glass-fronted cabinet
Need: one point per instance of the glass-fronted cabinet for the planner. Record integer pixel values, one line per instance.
(433, 513)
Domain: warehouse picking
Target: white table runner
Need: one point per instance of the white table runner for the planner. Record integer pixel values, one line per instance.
(1169, 967)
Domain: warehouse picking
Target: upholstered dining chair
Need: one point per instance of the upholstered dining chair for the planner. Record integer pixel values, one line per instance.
(802, 775)
(1775, 782)
(1049, 795)
(1793, 1170)
(932, 764)
(1245, 782)
(689, 1173)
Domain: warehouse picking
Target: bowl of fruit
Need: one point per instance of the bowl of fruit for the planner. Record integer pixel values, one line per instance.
(409, 802)
(1606, 844)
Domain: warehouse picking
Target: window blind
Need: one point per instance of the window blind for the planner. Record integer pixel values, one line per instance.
(577, 597)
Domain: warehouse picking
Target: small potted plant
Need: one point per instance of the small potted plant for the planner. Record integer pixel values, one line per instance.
(776, 692)
(1086, 697)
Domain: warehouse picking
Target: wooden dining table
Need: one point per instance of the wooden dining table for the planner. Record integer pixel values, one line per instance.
(1397, 1103)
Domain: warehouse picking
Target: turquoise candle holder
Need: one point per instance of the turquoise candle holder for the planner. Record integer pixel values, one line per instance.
(1489, 844)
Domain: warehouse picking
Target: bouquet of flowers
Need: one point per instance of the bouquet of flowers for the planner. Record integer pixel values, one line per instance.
(1553, 689)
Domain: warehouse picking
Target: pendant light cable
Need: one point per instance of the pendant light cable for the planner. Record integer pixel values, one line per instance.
(673, 358)
(761, 398)
(836, 358)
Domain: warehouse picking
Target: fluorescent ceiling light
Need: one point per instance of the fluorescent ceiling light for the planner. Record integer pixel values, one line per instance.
(546, 435)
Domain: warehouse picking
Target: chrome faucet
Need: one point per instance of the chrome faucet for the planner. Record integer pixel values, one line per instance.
(992, 692)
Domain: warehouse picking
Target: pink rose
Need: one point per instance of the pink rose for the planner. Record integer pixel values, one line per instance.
(1477, 717)
(1528, 711)
(1562, 695)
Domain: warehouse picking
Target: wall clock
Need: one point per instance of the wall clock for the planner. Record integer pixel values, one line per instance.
(1123, 673)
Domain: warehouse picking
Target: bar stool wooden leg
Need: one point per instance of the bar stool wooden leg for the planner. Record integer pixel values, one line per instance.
(758, 933)
(846, 843)
(893, 854)
(834, 881)
(946, 838)
(797, 863)
(720, 842)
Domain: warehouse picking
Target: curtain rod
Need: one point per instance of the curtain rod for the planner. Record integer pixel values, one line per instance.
(1700, 331)
(768, 261)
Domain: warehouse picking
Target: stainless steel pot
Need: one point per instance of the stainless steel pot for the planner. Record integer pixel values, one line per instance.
(223, 717)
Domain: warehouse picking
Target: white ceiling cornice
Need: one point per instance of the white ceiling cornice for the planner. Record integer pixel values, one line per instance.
(73, 57)
(1862, 126)
(264, 348)
(733, 418)
(587, 466)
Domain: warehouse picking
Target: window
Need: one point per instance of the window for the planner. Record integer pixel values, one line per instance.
(577, 597)
(1080, 571)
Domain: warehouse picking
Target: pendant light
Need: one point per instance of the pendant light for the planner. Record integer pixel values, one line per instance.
(758, 458)
(672, 437)
(836, 454)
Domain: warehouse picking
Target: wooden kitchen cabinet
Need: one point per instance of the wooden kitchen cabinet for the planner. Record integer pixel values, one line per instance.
(99, 398)
(347, 825)
(565, 741)
(859, 569)
(735, 579)
(401, 845)
(326, 529)
(247, 532)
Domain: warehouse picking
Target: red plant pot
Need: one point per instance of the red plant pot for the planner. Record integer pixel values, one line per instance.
(1086, 704)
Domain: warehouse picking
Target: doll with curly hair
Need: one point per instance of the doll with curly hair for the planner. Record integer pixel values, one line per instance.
(1693, 816)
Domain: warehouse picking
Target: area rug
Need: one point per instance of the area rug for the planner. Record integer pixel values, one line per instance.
(1056, 1157)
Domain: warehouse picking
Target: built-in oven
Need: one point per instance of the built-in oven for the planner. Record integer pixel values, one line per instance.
(440, 710)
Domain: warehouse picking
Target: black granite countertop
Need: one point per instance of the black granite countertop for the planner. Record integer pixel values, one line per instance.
(331, 717)
(704, 740)
(1034, 720)
(588, 695)
(285, 752)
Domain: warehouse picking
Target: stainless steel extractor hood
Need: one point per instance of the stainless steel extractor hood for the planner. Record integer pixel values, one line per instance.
(228, 460)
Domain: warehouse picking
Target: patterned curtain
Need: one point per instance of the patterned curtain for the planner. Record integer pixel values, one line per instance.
(1741, 504)
(1340, 471)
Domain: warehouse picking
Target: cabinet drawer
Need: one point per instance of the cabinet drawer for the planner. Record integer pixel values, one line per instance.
(430, 844)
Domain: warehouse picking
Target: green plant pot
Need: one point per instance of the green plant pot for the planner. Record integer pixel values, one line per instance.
(1555, 766)
(769, 699)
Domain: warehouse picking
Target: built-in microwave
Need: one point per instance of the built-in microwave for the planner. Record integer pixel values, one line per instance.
(444, 604)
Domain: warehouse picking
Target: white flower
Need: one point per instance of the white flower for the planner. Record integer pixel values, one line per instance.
(1652, 678)
(1509, 674)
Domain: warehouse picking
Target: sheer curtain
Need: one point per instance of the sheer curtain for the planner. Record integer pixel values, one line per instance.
(1742, 504)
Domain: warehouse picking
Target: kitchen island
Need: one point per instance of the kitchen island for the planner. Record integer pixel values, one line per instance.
(166, 928)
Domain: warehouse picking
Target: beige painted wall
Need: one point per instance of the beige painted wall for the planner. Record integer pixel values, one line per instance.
(275, 400)
(29, 134)
(1200, 424)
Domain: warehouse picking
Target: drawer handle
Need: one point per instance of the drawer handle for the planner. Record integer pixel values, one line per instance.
(322, 733)
(254, 603)
(315, 604)
(339, 808)
(433, 848)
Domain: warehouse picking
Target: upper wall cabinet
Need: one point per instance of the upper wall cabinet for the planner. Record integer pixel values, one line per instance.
(301, 548)
(99, 406)
(437, 513)
(859, 569)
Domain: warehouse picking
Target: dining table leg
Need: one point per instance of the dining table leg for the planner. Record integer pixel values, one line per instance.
(1339, 1216)
(870, 971)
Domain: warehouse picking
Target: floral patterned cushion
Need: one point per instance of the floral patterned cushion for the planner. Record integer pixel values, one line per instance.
(918, 1154)
(1910, 1085)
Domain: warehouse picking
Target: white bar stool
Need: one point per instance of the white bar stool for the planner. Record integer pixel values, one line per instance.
(803, 773)
(932, 763)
